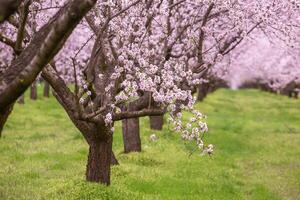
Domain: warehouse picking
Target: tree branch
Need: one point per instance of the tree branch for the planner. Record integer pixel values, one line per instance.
(7, 8)
(7, 41)
(135, 114)
(21, 30)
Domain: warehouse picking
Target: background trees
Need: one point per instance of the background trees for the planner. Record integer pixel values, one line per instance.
(275, 67)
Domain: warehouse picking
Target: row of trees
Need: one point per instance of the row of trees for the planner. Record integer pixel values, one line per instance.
(275, 69)
(129, 59)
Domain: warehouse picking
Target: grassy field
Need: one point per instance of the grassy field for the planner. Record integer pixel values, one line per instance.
(257, 155)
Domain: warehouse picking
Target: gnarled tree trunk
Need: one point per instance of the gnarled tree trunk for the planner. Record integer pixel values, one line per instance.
(131, 135)
(99, 159)
(3, 117)
(156, 122)
(99, 137)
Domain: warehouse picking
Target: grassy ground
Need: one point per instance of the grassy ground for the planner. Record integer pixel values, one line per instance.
(256, 134)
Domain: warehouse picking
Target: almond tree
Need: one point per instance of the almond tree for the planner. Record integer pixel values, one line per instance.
(126, 75)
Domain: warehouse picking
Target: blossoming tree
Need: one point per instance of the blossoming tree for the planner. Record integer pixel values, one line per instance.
(275, 67)
(127, 76)
(146, 58)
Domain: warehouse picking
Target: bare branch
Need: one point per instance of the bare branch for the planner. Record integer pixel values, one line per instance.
(141, 113)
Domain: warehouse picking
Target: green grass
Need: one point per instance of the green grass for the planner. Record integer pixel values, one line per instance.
(257, 155)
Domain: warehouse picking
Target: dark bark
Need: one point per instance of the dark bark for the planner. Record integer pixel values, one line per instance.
(131, 135)
(3, 118)
(46, 89)
(99, 158)
(156, 122)
(23, 15)
(33, 91)
(7, 8)
(202, 91)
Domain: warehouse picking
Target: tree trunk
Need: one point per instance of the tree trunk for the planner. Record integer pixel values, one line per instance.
(131, 135)
(202, 91)
(156, 122)
(99, 160)
(46, 89)
(3, 118)
(21, 100)
(33, 91)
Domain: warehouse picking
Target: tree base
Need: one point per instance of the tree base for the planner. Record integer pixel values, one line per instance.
(131, 135)
(3, 117)
(156, 122)
(99, 161)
